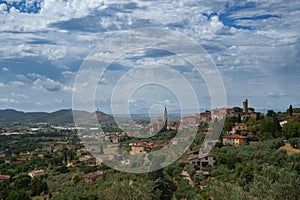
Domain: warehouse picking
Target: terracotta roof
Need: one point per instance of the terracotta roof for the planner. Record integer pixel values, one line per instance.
(25, 154)
(144, 144)
(240, 124)
(37, 172)
(88, 157)
(193, 151)
(235, 136)
(201, 156)
(93, 175)
(18, 162)
(4, 177)
(207, 129)
(187, 117)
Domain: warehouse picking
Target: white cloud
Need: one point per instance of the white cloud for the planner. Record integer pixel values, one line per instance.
(132, 101)
(68, 74)
(39, 103)
(51, 11)
(277, 94)
(3, 8)
(59, 100)
(5, 69)
(17, 84)
(167, 102)
(8, 100)
(47, 84)
(21, 77)
(35, 75)
(19, 95)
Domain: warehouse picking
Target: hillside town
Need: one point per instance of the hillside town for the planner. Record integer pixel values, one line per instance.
(36, 158)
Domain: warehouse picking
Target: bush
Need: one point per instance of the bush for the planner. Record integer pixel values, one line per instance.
(75, 178)
(295, 142)
(38, 187)
(18, 195)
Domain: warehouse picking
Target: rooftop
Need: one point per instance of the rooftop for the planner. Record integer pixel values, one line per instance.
(240, 124)
(201, 156)
(93, 175)
(235, 136)
(144, 144)
(4, 177)
(36, 172)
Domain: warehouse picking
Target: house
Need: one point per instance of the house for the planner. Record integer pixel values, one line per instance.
(178, 139)
(254, 115)
(17, 162)
(36, 173)
(205, 117)
(47, 148)
(230, 112)
(209, 144)
(221, 113)
(57, 148)
(201, 159)
(155, 127)
(116, 140)
(25, 155)
(71, 163)
(283, 122)
(234, 139)
(141, 147)
(4, 178)
(88, 159)
(93, 176)
(206, 131)
(190, 120)
(40, 155)
(70, 147)
(2, 156)
(239, 127)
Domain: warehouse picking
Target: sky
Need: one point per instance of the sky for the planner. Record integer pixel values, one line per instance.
(253, 44)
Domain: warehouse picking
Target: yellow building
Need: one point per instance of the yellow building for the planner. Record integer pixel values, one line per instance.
(234, 140)
(141, 147)
(239, 127)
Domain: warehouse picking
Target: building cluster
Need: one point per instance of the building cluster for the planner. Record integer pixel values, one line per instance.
(186, 123)
(232, 137)
(200, 158)
(194, 120)
(220, 113)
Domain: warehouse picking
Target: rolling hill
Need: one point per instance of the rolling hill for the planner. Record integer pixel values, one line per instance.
(64, 116)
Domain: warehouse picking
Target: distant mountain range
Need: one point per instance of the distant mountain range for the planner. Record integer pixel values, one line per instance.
(64, 116)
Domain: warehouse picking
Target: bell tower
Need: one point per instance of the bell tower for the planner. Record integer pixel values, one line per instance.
(165, 127)
(245, 106)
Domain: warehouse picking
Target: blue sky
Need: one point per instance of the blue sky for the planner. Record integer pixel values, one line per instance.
(254, 44)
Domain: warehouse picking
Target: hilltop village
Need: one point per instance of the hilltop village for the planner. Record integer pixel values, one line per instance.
(42, 160)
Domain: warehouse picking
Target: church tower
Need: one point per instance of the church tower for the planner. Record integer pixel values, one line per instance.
(165, 119)
(245, 106)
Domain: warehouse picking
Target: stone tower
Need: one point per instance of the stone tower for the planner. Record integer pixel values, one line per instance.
(165, 119)
(245, 106)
